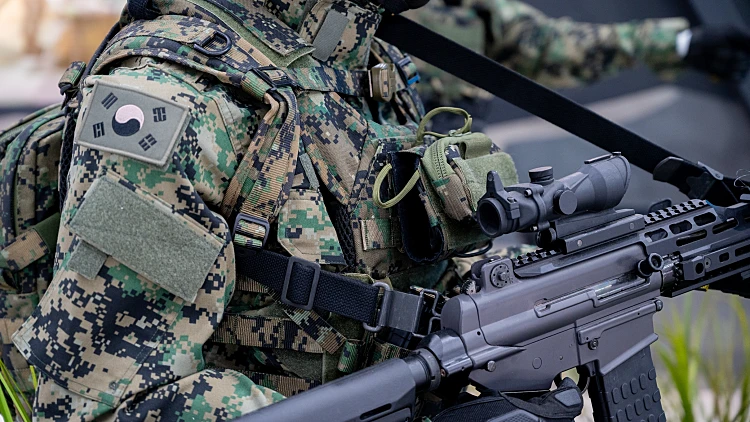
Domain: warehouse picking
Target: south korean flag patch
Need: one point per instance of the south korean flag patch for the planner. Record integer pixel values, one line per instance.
(132, 123)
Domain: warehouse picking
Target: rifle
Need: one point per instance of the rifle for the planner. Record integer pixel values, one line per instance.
(584, 300)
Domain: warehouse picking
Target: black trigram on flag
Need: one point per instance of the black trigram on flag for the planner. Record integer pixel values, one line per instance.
(98, 130)
(160, 114)
(147, 142)
(109, 101)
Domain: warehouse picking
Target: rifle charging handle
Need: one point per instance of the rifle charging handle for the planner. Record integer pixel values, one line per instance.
(653, 263)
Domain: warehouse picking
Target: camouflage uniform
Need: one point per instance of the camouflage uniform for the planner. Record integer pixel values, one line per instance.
(146, 317)
(555, 52)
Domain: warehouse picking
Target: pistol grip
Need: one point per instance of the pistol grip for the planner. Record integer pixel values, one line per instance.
(628, 392)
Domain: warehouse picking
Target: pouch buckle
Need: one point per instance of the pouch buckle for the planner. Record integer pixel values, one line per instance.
(288, 277)
(237, 229)
(273, 76)
(382, 80)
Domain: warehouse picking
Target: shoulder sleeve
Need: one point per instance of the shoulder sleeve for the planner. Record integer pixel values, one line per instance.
(144, 266)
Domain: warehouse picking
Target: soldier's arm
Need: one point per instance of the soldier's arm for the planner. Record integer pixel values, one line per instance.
(144, 267)
(561, 52)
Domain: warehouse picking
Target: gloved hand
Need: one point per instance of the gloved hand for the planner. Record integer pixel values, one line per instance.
(723, 51)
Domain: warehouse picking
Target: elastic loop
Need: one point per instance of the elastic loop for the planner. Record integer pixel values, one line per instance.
(401, 195)
(421, 131)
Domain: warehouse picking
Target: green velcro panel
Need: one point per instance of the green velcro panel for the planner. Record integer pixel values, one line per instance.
(86, 260)
(329, 35)
(146, 235)
(309, 169)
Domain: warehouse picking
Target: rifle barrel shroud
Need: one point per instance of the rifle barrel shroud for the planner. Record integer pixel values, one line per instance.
(587, 304)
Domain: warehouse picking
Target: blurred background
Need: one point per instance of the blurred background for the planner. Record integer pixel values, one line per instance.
(705, 340)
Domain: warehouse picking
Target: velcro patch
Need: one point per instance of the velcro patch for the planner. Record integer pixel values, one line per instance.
(143, 233)
(329, 35)
(132, 123)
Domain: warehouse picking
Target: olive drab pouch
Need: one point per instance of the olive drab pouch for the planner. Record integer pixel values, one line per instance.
(457, 165)
(437, 186)
(29, 217)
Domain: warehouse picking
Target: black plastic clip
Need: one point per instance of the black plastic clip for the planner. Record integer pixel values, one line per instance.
(201, 46)
(287, 279)
(281, 80)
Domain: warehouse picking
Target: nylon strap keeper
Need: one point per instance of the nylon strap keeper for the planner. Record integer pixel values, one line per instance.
(303, 284)
(33, 244)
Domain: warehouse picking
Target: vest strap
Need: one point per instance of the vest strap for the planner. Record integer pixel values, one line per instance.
(329, 339)
(264, 332)
(286, 385)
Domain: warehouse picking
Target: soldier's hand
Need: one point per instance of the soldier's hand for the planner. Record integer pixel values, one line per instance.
(723, 51)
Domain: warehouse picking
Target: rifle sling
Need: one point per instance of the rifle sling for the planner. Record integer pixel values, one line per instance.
(303, 284)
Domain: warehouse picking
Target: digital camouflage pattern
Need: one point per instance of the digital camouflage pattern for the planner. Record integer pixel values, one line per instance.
(554, 52)
(115, 343)
(299, 145)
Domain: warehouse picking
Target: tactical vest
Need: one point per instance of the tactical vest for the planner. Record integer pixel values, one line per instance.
(339, 137)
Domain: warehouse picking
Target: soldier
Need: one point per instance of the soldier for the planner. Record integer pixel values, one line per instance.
(204, 132)
(561, 53)
(212, 141)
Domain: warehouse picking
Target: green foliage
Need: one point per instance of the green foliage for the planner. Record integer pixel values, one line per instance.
(687, 369)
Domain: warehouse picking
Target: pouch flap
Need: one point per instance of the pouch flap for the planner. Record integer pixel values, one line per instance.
(457, 167)
(306, 231)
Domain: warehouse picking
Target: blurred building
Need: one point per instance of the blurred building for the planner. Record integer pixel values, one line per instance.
(40, 38)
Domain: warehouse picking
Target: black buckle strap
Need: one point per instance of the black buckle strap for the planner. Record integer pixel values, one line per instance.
(303, 284)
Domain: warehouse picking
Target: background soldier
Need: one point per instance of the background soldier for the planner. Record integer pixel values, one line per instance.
(561, 53)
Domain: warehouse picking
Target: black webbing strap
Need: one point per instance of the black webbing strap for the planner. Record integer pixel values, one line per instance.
(520, 91)
(304, 285)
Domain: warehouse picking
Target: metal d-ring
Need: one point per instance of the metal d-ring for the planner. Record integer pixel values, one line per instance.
(201, 47)
(385, 307)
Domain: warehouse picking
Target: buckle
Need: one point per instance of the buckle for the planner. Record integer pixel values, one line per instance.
(273, 76)
(200, 46)
(433, 323)
(288, 277)
(250, 234)
(406, 311)
(384, 309)
(382, 80)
